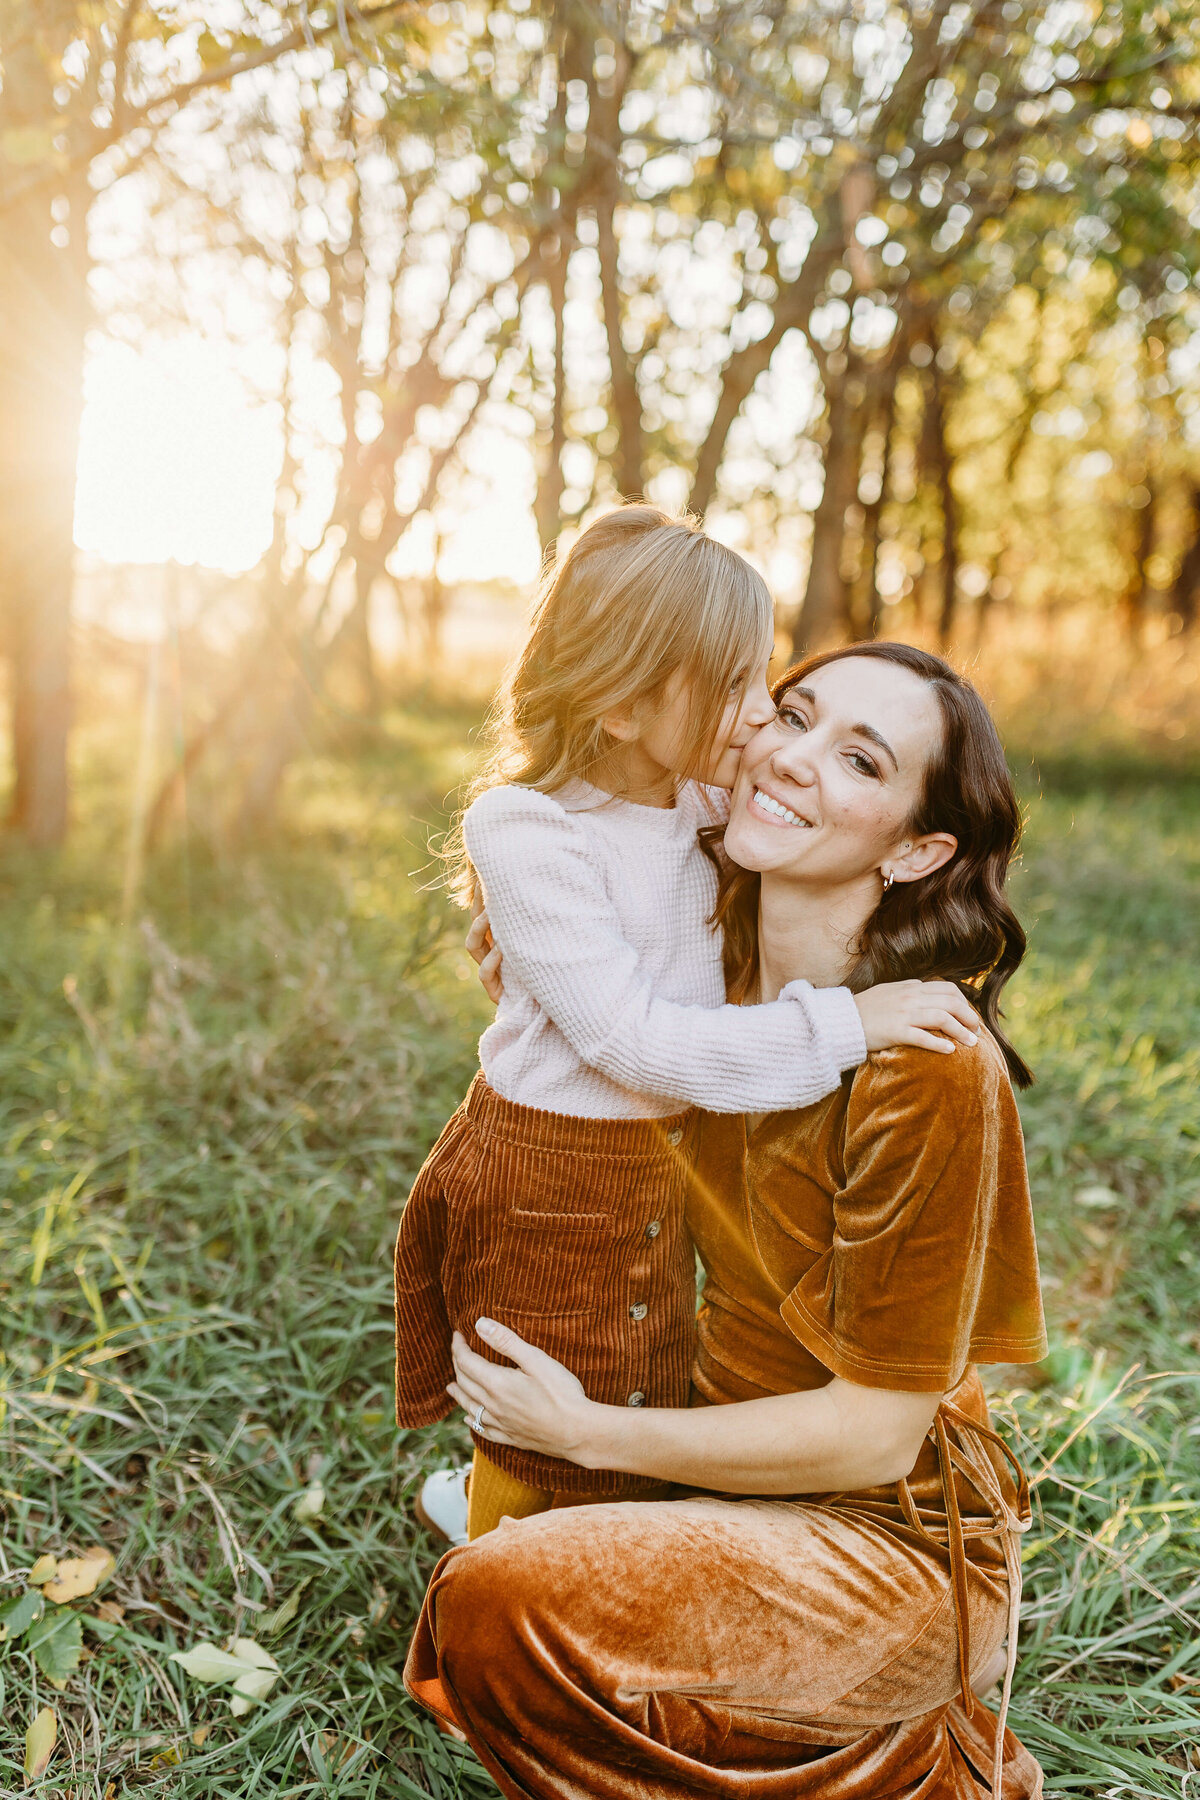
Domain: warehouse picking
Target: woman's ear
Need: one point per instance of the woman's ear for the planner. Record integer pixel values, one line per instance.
(918, 857)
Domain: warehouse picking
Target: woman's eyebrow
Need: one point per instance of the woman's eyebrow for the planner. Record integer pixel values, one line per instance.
(877, 737)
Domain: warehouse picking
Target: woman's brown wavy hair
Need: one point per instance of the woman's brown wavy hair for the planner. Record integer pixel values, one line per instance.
(955, 923)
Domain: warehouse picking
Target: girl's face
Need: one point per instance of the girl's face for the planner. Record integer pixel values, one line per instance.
(666, 732)
(826, 789)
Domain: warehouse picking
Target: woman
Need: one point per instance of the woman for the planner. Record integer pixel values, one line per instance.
(809, 1616)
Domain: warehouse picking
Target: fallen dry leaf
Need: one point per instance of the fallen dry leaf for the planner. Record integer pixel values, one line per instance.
(204, 1662)
(44, 1569)
(310, 1504)
(200, 1736)
(39, 1744)
(111, 1611)
(80, 1575)
(285, 1612)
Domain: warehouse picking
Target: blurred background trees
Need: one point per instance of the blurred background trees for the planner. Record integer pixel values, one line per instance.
(903, 298)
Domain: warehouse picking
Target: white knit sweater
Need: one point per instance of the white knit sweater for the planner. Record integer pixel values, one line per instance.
(614, 998)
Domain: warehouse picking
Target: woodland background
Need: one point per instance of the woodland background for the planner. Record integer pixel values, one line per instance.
(319, 327)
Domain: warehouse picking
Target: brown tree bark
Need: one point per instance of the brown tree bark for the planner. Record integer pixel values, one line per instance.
(43, 320)
(604, 192)
(823, 611)
(1185, 594)
(943, 469)
(547, 506)
(873, 518)
(1137, 589)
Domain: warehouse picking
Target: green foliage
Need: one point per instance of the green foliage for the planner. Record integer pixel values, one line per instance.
(204, 1145)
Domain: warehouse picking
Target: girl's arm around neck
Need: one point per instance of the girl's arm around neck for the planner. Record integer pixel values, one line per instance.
(837, 1438)
(561, 936)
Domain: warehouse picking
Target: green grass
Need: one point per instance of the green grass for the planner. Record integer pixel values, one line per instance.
(205, 1141)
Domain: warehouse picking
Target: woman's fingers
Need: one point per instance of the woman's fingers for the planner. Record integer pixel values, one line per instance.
(470, 1365)
(526, 1356)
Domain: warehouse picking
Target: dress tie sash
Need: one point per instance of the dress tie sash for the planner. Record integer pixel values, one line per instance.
(1000, 1520)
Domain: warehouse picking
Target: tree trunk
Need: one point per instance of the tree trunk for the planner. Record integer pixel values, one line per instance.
(1185, 595)
(358, 630)
(824, 608)
(604, 186)
(548, 504)
(1137, 589)
(873, 518)
(744, 366)
(43, 319)
(939, 451)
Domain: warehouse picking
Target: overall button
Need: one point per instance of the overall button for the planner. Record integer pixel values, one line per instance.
(637, 1398)
(675, 1136)
(653, 1229)
(638, 1310)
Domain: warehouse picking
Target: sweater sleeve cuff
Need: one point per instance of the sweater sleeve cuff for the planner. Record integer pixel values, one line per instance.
(835, 1018)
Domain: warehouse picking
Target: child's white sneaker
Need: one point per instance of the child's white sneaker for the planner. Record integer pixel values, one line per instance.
(441, 1505)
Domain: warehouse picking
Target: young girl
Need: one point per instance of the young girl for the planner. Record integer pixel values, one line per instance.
(553, 1200)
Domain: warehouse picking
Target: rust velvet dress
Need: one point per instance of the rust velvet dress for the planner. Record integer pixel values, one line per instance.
(809, 1646)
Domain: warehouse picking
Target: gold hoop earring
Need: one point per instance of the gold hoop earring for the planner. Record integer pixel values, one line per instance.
(888, 879)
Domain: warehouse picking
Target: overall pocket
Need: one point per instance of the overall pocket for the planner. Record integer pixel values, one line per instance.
(552, 1264)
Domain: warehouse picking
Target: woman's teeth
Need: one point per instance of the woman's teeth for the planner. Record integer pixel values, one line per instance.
(777, 809)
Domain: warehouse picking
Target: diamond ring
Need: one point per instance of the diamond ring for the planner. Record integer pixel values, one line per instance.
(477, 1421)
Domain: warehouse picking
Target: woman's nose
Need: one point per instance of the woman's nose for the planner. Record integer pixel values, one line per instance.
(794, 761)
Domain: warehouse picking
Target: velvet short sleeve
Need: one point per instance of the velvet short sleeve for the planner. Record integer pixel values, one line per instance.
(933, 1261)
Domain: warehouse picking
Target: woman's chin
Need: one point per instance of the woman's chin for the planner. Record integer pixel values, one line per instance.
(745, 846)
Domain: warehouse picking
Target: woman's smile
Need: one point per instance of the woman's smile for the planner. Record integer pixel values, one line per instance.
(775, 811)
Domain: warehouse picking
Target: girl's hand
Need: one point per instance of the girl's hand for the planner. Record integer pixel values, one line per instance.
(482, 949)
(930, 1014)
(539, 1405)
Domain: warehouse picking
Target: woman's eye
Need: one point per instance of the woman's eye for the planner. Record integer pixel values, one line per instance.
(863, 764)
(795, 721)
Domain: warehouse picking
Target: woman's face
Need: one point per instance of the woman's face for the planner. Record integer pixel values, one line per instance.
(826, 789)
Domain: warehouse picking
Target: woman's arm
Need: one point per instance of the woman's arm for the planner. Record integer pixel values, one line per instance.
(561, 938)
(830, 1439)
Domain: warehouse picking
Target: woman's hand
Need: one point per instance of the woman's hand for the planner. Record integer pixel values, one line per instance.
(539, 1405)
(481, 947)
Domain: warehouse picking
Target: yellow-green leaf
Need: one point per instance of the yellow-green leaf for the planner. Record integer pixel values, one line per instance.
(56, 1641)
(204, 1662)
(251, 1687)
(39, 1744)
(80, 1575)
(285, 1612)
(252, 1654)
(44, 1569)
(310, 1504)
(17, 1615)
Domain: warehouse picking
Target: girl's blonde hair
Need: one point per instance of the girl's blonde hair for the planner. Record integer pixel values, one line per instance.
(639, 596)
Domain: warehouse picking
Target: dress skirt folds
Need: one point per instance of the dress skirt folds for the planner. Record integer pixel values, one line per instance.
(750, 1649)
